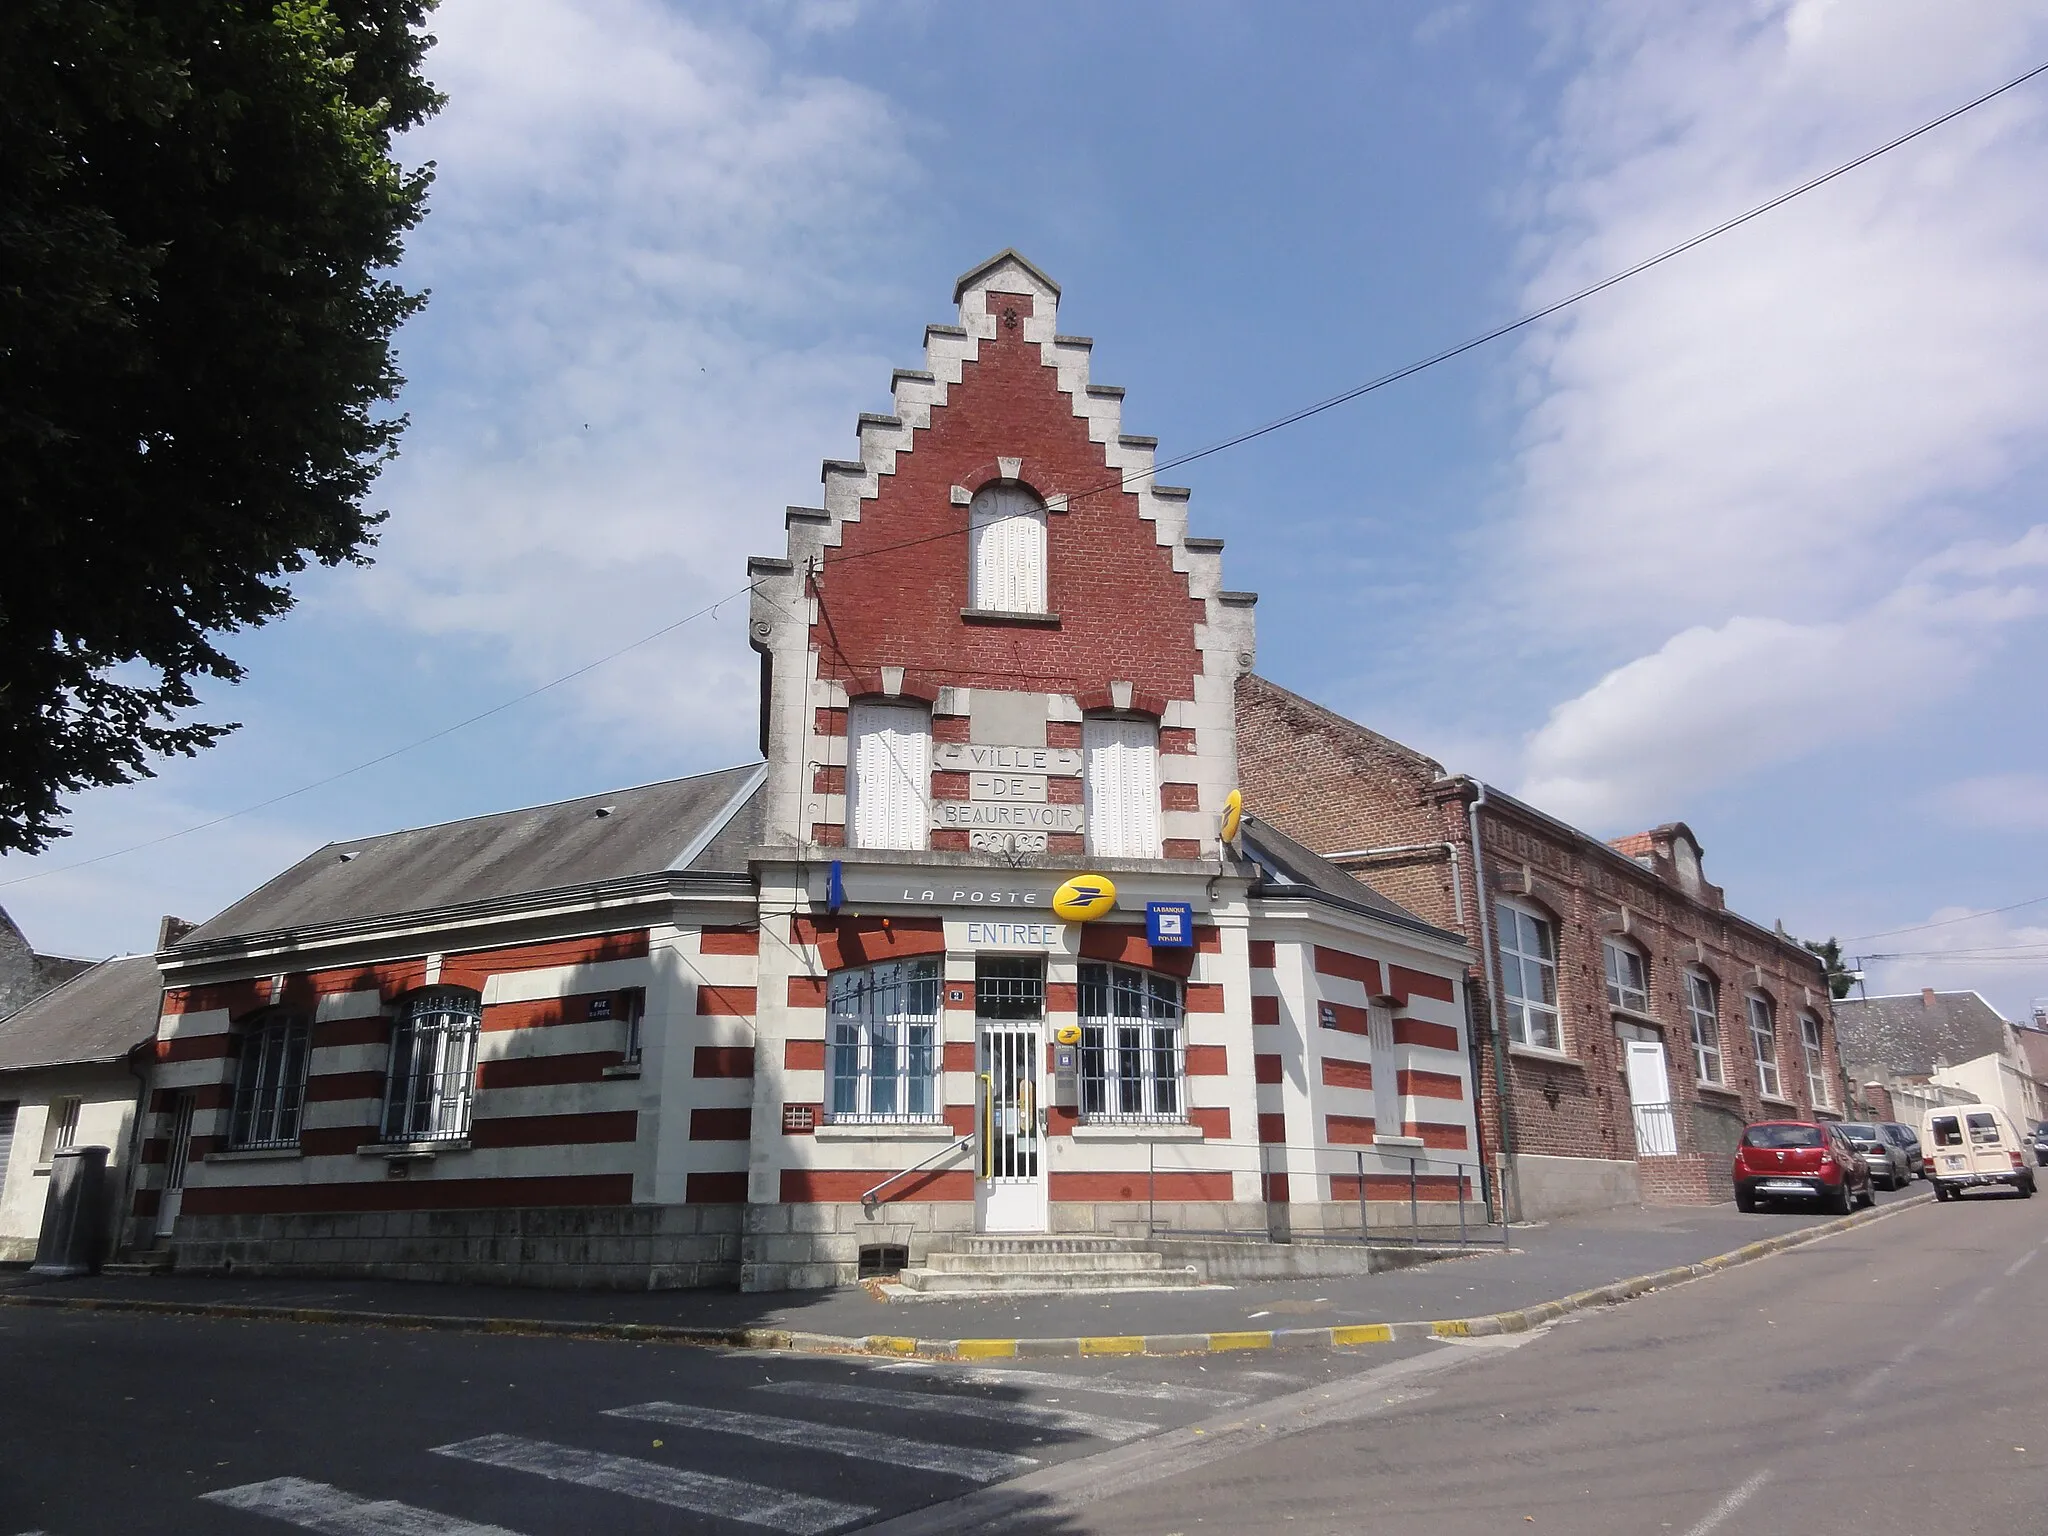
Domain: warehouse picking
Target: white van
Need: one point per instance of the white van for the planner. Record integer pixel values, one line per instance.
(1971, 1144)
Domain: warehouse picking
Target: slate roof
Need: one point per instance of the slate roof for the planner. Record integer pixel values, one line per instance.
(681, 823)
(1912, 1035)
(1285, 864)
(98, 1015)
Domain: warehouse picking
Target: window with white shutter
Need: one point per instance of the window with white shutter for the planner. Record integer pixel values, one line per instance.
(1006, 550)
(889, 753)
(1121, 787)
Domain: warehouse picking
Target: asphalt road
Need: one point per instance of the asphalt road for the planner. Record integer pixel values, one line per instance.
(1810, 1386)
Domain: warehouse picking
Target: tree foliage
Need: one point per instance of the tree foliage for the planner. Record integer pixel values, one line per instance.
(1840, 978)
(197, 204)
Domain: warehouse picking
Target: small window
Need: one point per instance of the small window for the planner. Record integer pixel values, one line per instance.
(1628, 977)
(432, 1088)
(1816, 1062)
(60, 1129)
(1948, 1131)
(1528, 964)
(884, 1057)
(889, 779)
(1702, 1013)
(1132, 1059)
(9, 1110)
(1983, 1130)
(1006, 550)
(270, 1082)
(1120, 785)
(1763, 1042)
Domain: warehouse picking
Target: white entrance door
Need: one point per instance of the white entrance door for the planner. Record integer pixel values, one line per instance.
(1010, 1192)
(174, 1165)
(1649, 1090)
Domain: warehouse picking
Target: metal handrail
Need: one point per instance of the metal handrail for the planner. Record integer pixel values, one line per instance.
(868, 1201)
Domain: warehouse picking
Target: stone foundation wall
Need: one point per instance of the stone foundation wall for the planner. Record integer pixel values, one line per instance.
(1560, 1186)
(625, 1248)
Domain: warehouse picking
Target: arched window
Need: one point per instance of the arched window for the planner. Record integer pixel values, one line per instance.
(889, 774)
(884, 1022)
(432, 1087)
(270, 1081)
(1628, 976)
(1132, 1053)
(1816, 1063)
(1528, 975)
(1120, 785)
(1703, 1017)
(1006, 550)
(1763, 1042)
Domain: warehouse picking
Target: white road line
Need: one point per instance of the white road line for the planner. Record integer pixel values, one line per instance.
(1721, 1511)
(1069, 1420)
(699, 1492)
(319, 1507)
(1108, 1386)
(2019, 1263)
(868, 1444)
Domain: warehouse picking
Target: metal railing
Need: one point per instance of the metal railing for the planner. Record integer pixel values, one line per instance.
(1445, 1199)
(871, 1198)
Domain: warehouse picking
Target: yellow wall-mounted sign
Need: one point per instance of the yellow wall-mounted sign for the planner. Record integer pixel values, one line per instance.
(1233, 813)
(1084, 898)
(1067, 1034)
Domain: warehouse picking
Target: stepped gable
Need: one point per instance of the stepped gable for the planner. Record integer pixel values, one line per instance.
(1003, 396)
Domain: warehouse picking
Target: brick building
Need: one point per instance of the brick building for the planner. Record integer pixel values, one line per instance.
(767, 1024)
(1630, 1024)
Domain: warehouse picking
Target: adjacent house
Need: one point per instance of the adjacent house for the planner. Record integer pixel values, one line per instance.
(1910, 1053)
(979, 947)
(71, 1066)
(24, 974)
(1629, 1023)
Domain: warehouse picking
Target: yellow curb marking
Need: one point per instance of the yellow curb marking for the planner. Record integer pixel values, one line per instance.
(1455, 1328)
(889, 1344)
(1128, 1344)
(985, 1349)
(1362, 1333)
(1219, 1342)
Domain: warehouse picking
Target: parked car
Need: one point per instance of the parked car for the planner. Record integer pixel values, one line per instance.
(1973, 1145)
(2041, 1144)
(1891, 1166)
(1907, 1139)
(1802, 1159)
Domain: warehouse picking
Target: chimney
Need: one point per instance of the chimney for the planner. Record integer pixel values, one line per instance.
(172, 929)
(1927, 997)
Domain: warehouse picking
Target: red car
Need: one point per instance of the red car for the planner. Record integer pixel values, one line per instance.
(1800, 1159)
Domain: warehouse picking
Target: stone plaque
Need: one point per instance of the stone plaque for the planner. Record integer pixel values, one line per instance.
(1006, 786)
(975, 757)
(986, 841)
(999, 816)
(991, 934)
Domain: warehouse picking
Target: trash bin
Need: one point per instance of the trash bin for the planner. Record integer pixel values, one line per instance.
(74, 1214)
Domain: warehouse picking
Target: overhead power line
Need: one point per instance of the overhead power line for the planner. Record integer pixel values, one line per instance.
(1949, 922)
(1292, 418)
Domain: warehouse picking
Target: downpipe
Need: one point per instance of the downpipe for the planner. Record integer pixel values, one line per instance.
(1511, 1184)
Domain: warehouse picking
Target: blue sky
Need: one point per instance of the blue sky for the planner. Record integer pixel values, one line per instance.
(1755, 542)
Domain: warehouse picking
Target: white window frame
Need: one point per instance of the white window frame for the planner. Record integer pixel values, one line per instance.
(1816, 1061)
(882, 1043)
(269, 1103)
(888, 774)
(430, 1086)
(1623, 990)
(1528, 975)
(1006, 551)
(1763, 1044)
(1133, 1067)
(60, 1127)
(1120, 785)
(1703, 1022)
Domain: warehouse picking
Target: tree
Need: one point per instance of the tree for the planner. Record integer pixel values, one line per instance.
(1840, 978)
(197, 202)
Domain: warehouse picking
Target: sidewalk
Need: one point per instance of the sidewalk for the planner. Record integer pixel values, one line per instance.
(1547, 1263)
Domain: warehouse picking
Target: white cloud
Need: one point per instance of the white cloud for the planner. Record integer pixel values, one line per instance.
(641, 231)
(1997, 802)
(2002, 955)
(1769, 471)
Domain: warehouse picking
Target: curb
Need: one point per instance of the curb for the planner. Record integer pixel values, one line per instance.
(1342, 1336)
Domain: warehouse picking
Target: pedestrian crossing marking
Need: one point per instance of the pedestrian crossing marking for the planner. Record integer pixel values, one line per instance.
(322, 1507)
(1067, 1420)
(699, 1492)
(1108, 1386)
(921, 1455)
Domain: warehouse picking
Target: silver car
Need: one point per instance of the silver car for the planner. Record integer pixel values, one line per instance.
(1891, 1165)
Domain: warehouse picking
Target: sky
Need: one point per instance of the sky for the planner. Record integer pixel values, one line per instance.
(1754, 541)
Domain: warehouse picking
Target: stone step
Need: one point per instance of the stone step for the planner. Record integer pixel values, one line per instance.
(145, 1265)
(985, 1283)
(1041, 1263)
(968, 1243)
